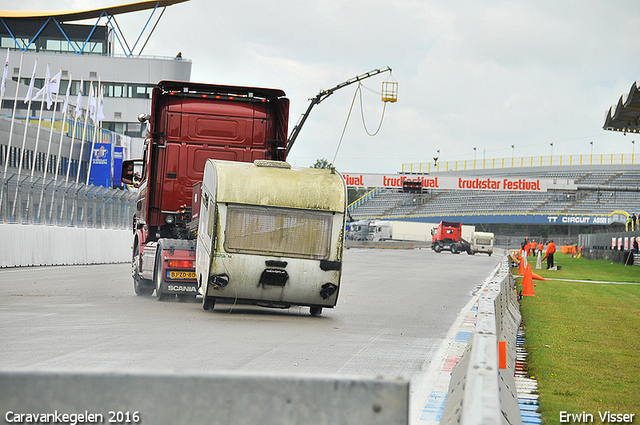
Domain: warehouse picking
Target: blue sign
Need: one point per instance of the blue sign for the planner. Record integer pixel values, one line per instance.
(573, 219)
(118, 156)
(101, 165)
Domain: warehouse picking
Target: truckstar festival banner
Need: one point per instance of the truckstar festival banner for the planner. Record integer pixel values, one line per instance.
(449, 182)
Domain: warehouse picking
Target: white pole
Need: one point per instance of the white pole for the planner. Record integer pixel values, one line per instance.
(24, 137)
(60, 162)
(35, 149)
(84, 135)
(5, 72)
(73, 135)
(46, 159)
(13, 118)
(95, 133)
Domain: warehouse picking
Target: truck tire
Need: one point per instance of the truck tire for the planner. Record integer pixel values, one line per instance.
(437, 247)
(142, 287)
(208, 303)
(454, 249)
(470, 251)
(315, 310)
(157, 274)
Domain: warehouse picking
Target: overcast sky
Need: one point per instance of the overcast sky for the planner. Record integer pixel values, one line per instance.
(470, 73)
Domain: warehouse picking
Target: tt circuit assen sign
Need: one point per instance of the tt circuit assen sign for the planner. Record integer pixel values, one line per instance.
(449, 182)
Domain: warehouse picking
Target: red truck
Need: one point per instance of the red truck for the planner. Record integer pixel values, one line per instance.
(448, 236)
(190, 123)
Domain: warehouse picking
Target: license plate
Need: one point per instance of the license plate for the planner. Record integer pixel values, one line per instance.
(180, 275)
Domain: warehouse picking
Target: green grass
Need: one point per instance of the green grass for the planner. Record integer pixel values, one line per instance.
(583, 339)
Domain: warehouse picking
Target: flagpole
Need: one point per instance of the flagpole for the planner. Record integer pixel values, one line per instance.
(5, 71)
(42, 92)
(46, 160)
(13, 117)
(60, 163)
(84, 135)
(73, 134)
(24, 137)
(3, 88)
(95, 134)
(84, 131)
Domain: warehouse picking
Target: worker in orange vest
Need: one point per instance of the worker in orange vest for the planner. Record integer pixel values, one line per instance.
(551, 249)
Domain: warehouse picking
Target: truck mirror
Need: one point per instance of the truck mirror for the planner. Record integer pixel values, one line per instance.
(131, 172)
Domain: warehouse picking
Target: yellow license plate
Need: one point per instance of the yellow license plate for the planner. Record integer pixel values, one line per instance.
(181, 275)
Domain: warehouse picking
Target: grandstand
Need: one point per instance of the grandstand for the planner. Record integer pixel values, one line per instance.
(592, 199)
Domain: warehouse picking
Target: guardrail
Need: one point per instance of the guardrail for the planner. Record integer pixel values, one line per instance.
(480, 392)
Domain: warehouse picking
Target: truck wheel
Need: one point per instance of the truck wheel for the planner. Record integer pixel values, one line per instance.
(437, 247)
(470, 252)
(157, 275)
(454, 249)
(315, 311)
(208, 303)
(142, 287)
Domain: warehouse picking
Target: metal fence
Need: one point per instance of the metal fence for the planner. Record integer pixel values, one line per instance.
(30, 200)
(520, 162)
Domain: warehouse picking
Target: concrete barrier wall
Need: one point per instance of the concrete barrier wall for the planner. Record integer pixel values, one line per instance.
(24, 245)
(206, 398)
(480, 392)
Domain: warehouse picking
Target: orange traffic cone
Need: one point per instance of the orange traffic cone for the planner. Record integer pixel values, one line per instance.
(527, 282)
(520, 265)
(537, 277)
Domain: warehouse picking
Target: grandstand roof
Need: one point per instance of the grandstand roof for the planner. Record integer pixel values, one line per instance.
(625, 115)
(79, 15)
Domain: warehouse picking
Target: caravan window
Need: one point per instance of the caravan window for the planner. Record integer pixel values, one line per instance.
(278, 231)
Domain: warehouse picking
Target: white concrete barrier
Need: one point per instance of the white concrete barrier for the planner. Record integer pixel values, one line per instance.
(203, 398)
(479, 391)
(28, 245)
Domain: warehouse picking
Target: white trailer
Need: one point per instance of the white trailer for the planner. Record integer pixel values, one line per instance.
(270, 234)
(482, 242)
(403, 230)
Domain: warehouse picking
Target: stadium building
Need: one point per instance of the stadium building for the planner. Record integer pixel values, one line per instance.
(57, 167)
(86, 55)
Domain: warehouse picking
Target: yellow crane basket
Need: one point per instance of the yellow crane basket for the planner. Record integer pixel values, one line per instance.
(389, 91)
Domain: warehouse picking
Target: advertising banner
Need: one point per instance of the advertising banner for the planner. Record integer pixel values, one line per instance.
(448, 182)
(101, 165)
(118, 156)
(583, 220)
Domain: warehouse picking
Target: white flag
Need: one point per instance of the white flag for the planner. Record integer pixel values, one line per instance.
(28, 97)
(79, 99)
(66, 97)
(92, 104)
(43, 90)
(100, 113)
(3, 86)
(53, 87)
